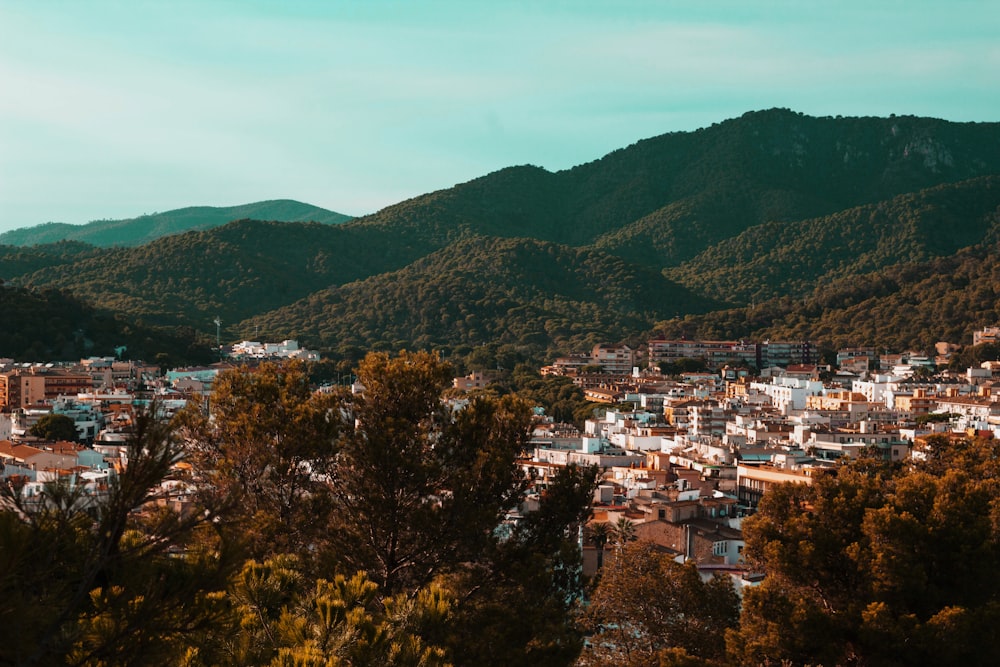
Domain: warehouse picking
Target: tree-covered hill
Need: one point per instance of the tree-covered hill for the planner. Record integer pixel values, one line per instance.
(146, 228)
(16, 262)
(53, 325)
(233, 271)
(907, 306)
(793, 258)
(481, 290)
(772, 208)
(663, 200)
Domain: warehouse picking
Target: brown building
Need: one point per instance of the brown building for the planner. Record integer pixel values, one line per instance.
(27, 387)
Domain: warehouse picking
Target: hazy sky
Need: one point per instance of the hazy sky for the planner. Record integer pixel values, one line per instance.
(114, 109)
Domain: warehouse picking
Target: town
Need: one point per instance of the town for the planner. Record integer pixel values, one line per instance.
(690, 435)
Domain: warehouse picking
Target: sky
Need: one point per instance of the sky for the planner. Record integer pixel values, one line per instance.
(113, 109)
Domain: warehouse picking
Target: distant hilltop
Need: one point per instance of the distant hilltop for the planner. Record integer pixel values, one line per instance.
(145, 228)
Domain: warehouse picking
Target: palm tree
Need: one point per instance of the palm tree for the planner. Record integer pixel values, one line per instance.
(599, 534)
(622, 532)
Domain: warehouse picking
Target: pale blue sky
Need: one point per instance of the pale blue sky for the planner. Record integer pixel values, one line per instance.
(111, 109)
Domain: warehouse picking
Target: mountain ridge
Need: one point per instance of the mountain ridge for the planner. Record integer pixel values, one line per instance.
(768, 207)
(148, 227)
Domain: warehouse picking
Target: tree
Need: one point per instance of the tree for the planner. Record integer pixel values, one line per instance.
(806, 538)
(90, 574)
(55, 427)
(599, 534)
(877, 565)
(683, 365)
(420, 487)
(622, 532)
(265, 445)
(285, 620)
(647, 608)
(516, 605)
(413, 495)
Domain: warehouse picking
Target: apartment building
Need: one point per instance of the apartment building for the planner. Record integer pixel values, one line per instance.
(35, 385)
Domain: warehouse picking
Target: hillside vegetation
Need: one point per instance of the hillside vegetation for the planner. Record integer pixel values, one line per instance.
(771, 224)
(907, 306)
(146, 228)
(480, 290)
(53, 325)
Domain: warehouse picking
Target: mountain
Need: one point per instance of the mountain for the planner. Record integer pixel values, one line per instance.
(767, 212)
(663, 200)
(233, 271)
(46, 324)
(483, 290)
(791, 258)
(906, 306)
(146, 228)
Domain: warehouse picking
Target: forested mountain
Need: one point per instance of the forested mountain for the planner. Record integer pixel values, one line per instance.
(906, 306)
(18, 262)
(480, 290)
(234, 271)
(54, 325)
(663, 200)
(146, 228)
(774, 212)
(792, 258)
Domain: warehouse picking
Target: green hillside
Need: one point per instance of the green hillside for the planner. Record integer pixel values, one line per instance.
(792, 258)
(17, 261)
(146, 228)
(773, 209)
(53, 325)
(908, 306)
(234, 271)
(663, 200)
(483, 290)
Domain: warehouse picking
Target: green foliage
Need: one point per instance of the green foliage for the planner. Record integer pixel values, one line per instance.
(55, 325)
(418, 489)
(876, 568)
(973, 355)
(683, 365)
(389, 547)
(264, 449)
(910, 306)
(517, 603)
(54, 427)
(558, 395)
(532, 295)
(90, 580)
(646, 607)
(792, 258)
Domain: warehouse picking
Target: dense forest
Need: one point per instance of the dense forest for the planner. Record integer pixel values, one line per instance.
(774, 224)
(49, 324)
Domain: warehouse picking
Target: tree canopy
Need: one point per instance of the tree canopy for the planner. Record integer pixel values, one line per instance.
(890, 566)
(54, 427)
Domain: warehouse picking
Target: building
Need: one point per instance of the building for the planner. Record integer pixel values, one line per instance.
(715, 353)
(37, 385)
(752, 482)
(718, 353)
(472, 381)
(986, 335)
(786, 353)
